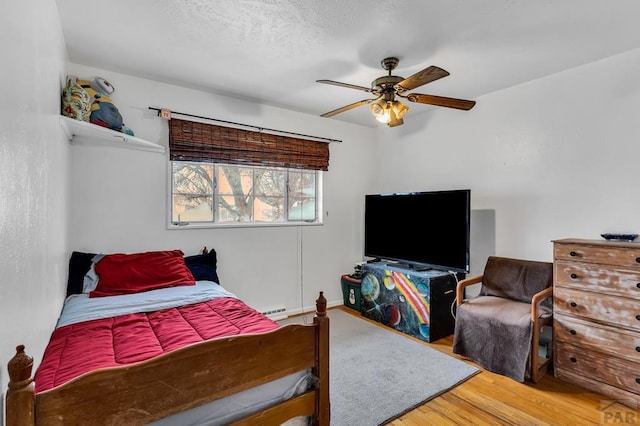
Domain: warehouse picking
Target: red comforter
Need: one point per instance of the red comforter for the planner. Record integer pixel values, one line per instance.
(79, 348)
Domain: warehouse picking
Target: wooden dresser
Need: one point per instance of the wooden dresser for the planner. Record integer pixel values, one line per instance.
(597, 316)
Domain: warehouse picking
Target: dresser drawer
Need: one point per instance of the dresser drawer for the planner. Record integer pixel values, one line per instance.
(594, 277)
(616, 372)
(625, 255)
(596, 337)
(612, 310)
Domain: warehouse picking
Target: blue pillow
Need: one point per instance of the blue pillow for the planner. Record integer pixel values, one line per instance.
(79, 265)
(203, 266)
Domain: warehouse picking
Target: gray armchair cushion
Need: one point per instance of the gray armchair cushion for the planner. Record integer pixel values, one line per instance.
(495, 333)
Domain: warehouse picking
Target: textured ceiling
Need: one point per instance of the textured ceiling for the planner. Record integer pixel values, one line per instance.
(273, 51)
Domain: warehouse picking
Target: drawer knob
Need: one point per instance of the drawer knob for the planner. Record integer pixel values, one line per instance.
(637, 348)
(572, 359)
(574, 276)
(574, 304)
(573, 332)
(574, 254)
(638, 259)
(638, 285)
(638, 380)
(638, 317)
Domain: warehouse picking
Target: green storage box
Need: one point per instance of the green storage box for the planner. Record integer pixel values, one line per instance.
(351, 292)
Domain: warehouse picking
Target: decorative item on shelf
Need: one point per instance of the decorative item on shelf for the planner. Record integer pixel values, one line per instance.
(88, 100)
(103, 112)
(126, 130)
(619, 237)
(76, 102)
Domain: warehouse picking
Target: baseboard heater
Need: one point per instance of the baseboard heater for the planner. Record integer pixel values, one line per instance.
(276, 312)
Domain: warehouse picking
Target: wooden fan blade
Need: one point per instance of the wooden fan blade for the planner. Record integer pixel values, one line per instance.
(347, 85)
(425, 76)
(347, 108)
(441, 101)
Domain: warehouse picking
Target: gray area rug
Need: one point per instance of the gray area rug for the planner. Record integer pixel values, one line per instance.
(376, 375)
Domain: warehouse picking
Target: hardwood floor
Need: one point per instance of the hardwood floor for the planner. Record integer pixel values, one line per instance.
(491, 399)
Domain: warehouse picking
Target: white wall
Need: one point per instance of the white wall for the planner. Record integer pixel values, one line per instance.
(34, 167)
(554, 158)
(119, 198)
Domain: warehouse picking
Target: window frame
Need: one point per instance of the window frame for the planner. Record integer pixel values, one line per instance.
(172, 225)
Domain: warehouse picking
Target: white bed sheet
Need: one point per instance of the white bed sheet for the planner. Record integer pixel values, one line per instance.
(242, 404)
(80, 307)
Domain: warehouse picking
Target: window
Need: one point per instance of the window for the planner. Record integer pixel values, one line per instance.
(208, 194)
(226, 175)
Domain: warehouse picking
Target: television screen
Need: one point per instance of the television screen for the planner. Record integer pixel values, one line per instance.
(419, 228)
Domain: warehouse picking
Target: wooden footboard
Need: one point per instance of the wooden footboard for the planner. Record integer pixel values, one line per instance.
(185, 378)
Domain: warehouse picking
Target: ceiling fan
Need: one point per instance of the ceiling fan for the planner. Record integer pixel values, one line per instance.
(385, 108)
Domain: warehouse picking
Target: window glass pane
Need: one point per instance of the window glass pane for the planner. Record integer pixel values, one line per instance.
(235, 193)
(192, 209)
(269, 209)
(270, 187)
(302, 196)
(235, 180)
(270, 182)
(234, 209)
(302, 209)
(302, 184)
(192, 192)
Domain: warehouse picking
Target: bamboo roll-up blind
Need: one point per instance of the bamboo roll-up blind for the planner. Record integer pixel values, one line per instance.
(202, 142)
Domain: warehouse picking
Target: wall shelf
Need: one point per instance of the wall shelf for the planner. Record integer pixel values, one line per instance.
(83, 132)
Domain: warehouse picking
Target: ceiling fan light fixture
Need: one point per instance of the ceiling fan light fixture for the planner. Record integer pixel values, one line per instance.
(384, 107)
(380, 110)
(394, 119)
(384, 118)
(389, 112)
(400, 109)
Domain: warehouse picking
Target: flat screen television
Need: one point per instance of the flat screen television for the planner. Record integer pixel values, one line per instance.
(429, 229)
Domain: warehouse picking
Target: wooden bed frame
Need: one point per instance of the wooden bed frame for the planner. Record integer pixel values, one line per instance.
(185, 378)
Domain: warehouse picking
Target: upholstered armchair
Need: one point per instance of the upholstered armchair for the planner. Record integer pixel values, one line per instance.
(500, 328)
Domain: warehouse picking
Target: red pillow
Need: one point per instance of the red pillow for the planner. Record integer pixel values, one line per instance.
(133, 273)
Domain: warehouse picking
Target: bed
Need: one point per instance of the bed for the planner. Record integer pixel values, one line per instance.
(152, 338)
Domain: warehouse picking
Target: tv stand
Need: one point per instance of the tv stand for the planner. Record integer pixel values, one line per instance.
(416, 302)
